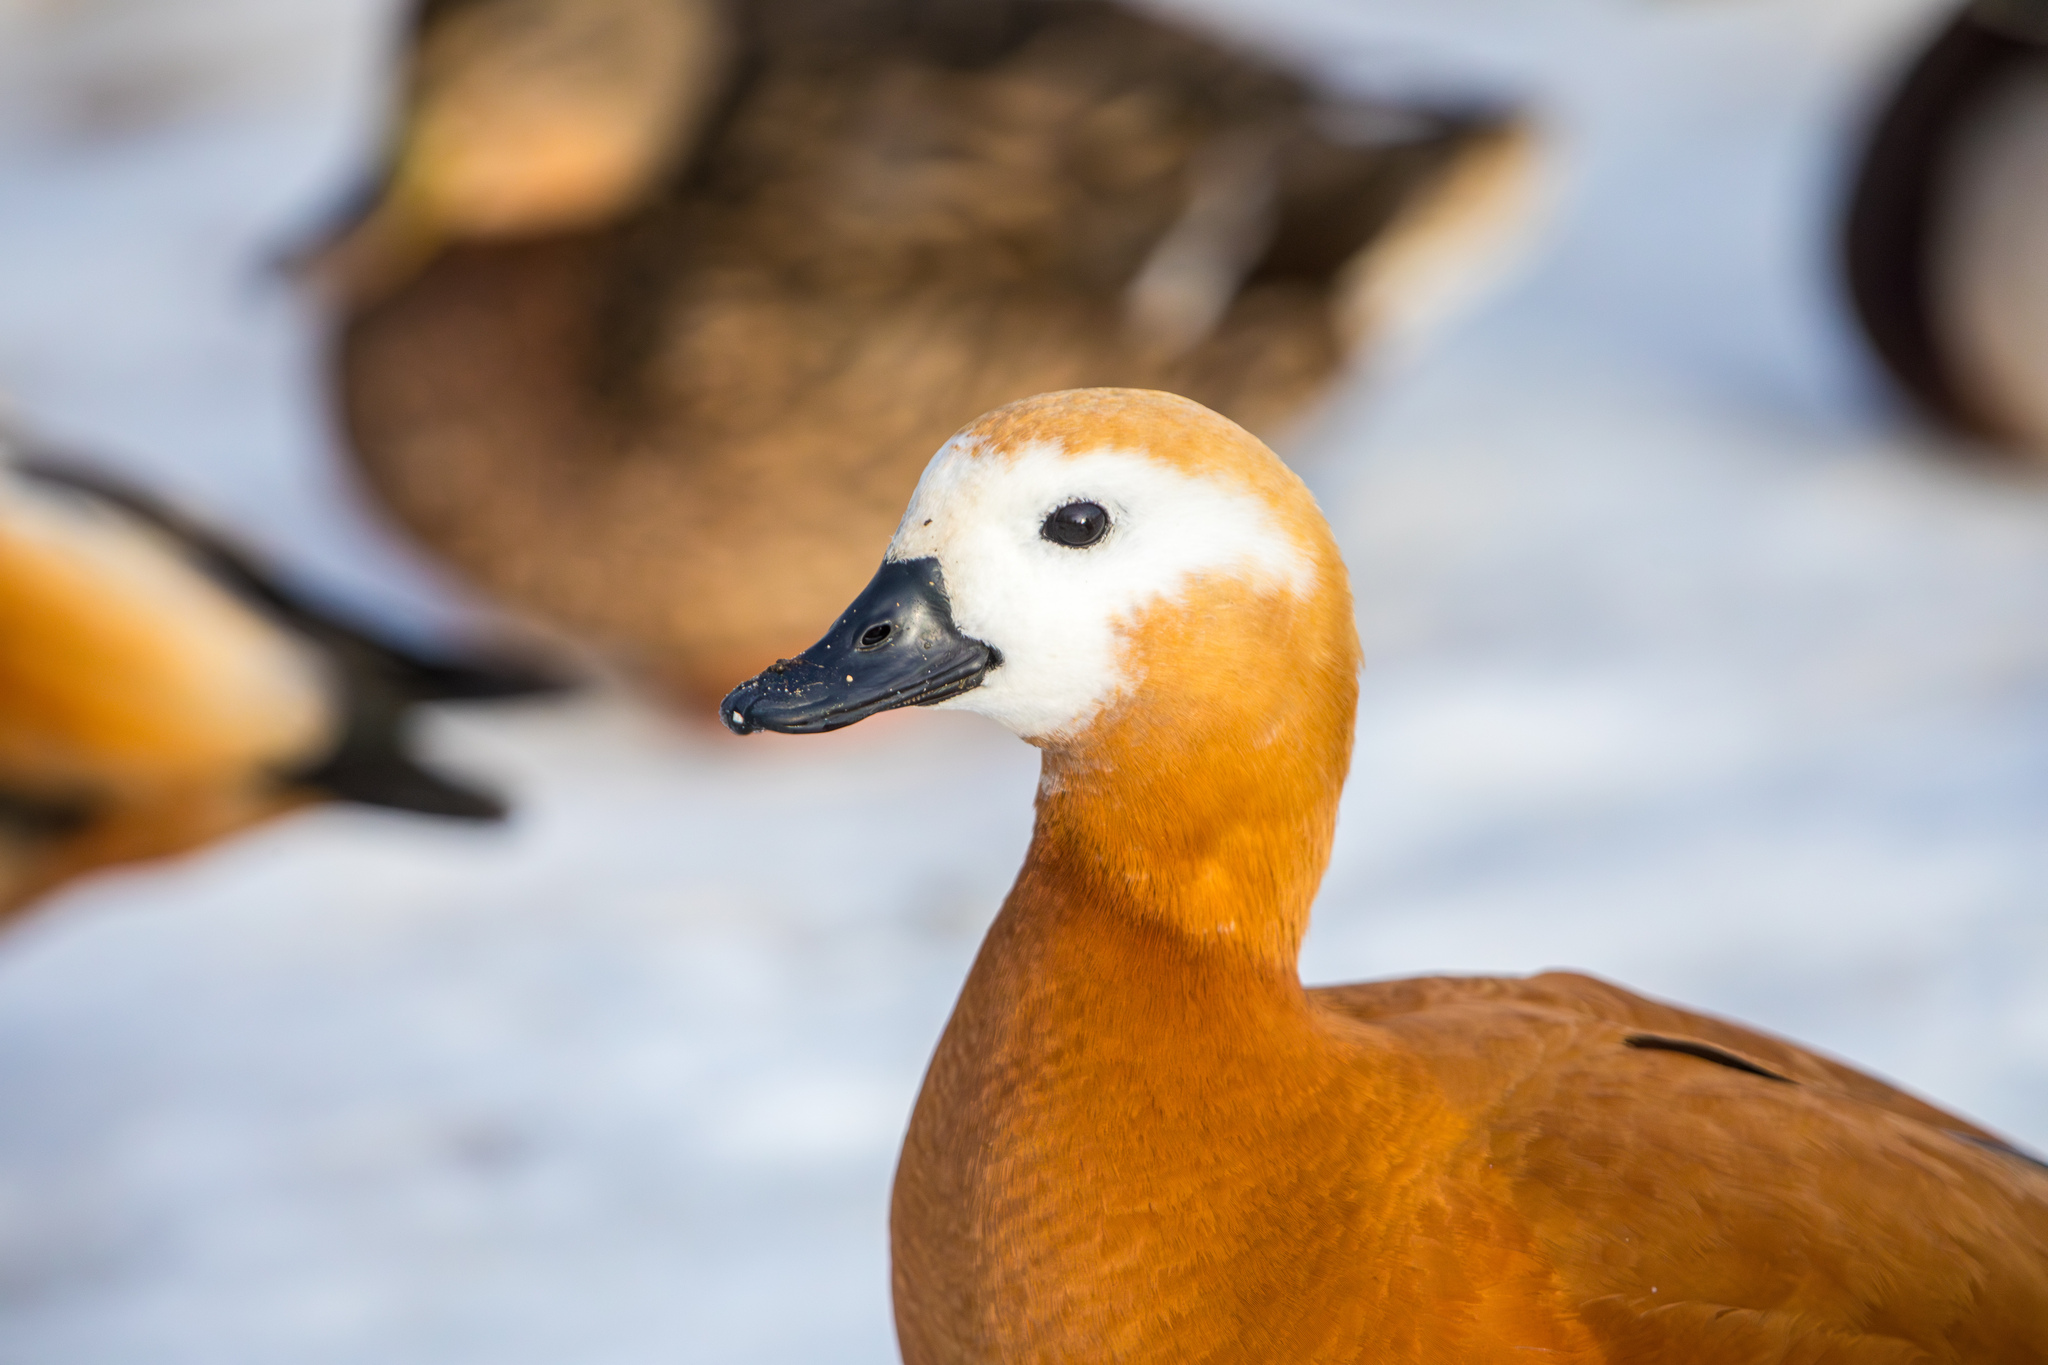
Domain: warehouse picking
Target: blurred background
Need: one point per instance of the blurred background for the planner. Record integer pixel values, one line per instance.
(1698, 659)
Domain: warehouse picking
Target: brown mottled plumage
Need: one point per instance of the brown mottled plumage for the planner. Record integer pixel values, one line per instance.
(1142, 1140)
(683, 435)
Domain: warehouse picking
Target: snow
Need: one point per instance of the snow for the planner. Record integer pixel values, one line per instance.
(1691, 664)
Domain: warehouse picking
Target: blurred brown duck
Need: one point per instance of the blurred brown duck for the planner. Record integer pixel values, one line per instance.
(1946, 241)
(659, 298)
(158, 691)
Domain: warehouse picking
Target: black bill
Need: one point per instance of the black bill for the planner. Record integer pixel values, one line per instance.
(895, 646)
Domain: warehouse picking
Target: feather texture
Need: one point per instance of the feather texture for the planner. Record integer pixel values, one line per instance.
(1142, 1140)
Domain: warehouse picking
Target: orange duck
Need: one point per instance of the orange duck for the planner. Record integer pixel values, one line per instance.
(159, 691)
(661, 299)
(1142, 1140)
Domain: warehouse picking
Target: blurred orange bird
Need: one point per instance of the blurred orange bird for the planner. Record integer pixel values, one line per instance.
(1142, 1140)
(159, 691)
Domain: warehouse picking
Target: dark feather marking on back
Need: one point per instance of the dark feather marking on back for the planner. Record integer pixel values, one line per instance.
(1706, 1052)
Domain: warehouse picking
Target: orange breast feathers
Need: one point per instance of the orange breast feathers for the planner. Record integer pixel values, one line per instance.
(124, 668)
(1142, 1140)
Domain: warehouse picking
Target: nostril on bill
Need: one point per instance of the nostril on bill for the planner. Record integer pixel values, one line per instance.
(875, 636)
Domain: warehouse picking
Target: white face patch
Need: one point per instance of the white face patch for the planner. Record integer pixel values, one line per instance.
(1056, 612)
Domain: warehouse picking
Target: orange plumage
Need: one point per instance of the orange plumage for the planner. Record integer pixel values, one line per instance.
(1141, 1139)
(158, 691)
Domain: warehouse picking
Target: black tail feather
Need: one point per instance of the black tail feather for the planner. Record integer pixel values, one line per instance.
(395, 782)
(477, 677)
(370, 767)
(372, 763)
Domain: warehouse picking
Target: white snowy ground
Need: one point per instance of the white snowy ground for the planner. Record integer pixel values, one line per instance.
(1690, 665)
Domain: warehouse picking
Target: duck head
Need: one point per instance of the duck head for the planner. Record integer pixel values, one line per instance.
(1140, 588)
(526, 118)
(1073, 558)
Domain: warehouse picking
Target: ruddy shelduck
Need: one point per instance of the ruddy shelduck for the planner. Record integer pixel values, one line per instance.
(1142, 1140)
(664, 301)
(159, 690)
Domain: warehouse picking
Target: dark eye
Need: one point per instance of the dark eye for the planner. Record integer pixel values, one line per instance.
(1077, 524)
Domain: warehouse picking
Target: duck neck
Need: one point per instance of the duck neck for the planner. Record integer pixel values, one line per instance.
(1217, 833)
(1080, 1167)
